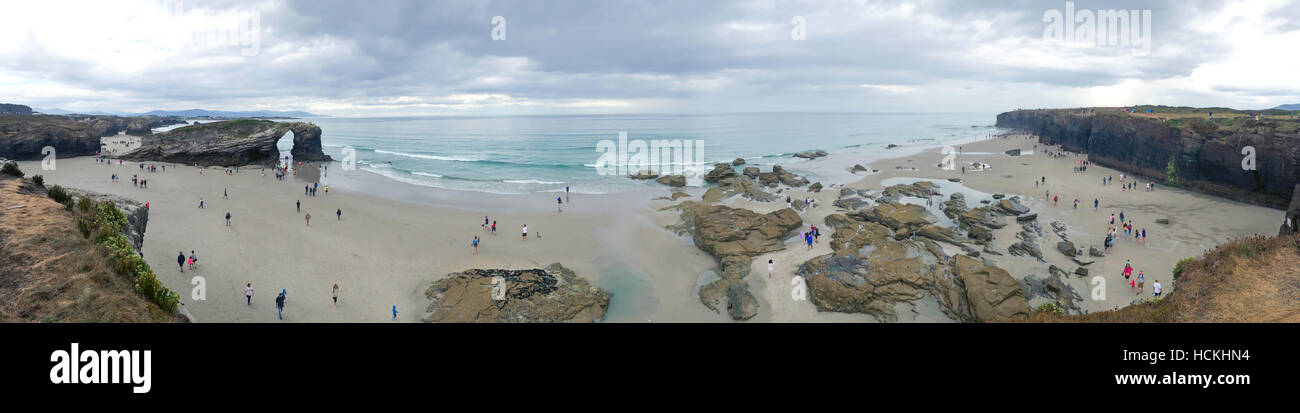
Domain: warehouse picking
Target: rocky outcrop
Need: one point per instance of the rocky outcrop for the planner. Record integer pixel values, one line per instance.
(871, 271)
(645, 175)
(550, 295)
(720, 171)
(1291, 222)
(230, 143)
(811, 154)
(781, 176)
(672, 180)
(734, 236)
(1205, 157)
(137, 216)
(738, 162)
(23, 137)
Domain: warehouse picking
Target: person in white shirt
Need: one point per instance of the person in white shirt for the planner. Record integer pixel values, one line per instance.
(248, 293)
(771, 267)
(1156, 289)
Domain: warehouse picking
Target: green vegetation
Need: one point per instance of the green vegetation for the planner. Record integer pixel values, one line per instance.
(60, 195)
(1171, 172)
(11, 168)
(105, 223)
(38, 180)
(1181, 266)
(1050, 308)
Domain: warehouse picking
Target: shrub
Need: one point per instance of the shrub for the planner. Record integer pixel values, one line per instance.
(11, 168)
(108, 223)
(1180, 266)
(1050, 308)
(39, 180)
(60, 195)
(1171, 172)
(85, 204)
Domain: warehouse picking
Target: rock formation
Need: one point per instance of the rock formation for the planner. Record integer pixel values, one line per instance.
(23, 137)
(734, 236)
(230, 143)
(550, 295)
(871, 271)
(1204, 157)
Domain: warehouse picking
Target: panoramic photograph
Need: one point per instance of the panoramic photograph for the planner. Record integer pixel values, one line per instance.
(1052, 169)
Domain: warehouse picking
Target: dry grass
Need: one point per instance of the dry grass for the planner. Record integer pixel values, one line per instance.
(1250, 280)
(50, 273)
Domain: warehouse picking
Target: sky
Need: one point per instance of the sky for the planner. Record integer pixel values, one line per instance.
(400, 58)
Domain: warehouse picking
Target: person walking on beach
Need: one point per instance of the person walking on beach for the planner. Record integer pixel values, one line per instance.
(200, 202)
(1055, 200)
(279, 305)
(248, 294)
(494, 227)
(339, 213)
(1144, 235)
(475, 245)
(309, 219)
(335, 295)
(566, 193)
(559, 204)
(485, 222)
(225, 193)
(1095, 202)
(771, 267)
(1141, 281)
(227, 218)
(194, 259)
(524, 230)
(394, 311)
(1155, 289)
(180, 260)
(298, 205)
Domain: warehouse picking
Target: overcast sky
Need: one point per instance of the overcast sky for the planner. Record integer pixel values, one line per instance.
(378, 57)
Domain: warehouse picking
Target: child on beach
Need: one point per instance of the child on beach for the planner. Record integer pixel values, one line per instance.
(394, 311)
(559, 204)
(193, 259)
(475, 245)
(524, 230)
(771, 267)
(494, 227)
(227, 218)
(309, 219)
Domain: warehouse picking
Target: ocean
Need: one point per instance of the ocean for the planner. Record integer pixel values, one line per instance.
(526, 154)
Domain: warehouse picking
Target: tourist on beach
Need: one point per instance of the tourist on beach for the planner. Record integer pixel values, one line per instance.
(524, 230)
(485, 222)
(194, 259)
(1112, 219)
(394, 311)
(227, 218)
(1055, 200)
(306, 189)
(494, 227)
(1155, 289)
(180, 260)
(248, 293)
(309, 219)
(339, 213)
(1144, 235)
(1095, 202)
(559, 204)
(566, 193)
(1141, 281)
(1121, 216)
(788, 202)
(771, 267)
(279, 305)
(335, 294)
(298, 205)
(475, 245)
(200, 202)
(808, 238)
(225, 193)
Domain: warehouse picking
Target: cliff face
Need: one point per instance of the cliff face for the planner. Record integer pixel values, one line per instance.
(1205, 158)
(23, 136)
(230, 143)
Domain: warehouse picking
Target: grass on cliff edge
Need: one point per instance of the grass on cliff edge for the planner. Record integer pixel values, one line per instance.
(49, 272)
(1249, 280)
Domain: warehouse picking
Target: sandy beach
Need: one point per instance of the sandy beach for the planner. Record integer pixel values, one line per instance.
(394, 239)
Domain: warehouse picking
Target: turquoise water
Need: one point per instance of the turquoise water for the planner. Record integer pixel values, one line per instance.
(522, 154)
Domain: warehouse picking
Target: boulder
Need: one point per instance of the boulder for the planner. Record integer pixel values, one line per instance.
(1095, 252)
(720, 171)
(1013, 152)
(1012, 207)
(1026, 247)
(858, 168)
(1067, 248)
(738, 162)
(1027, 218)
(645, 174)
(672, 180)
(811, 154)
(751, 172)
(549, 295)
(815, 187)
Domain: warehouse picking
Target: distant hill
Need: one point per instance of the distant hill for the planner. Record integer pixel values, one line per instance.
(12, 109)
(1293, 106)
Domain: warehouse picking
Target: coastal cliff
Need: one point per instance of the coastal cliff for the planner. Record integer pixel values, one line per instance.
(230, 143)
(22, 137)
(1194, 153)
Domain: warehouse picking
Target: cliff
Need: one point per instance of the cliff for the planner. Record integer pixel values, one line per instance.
(1205, 154)
(23, 136)
(230, 143)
